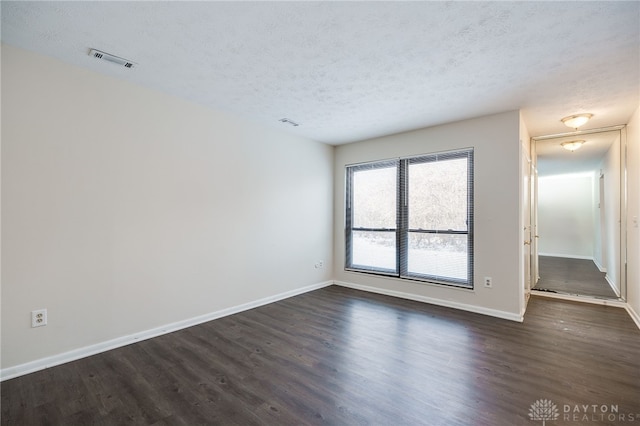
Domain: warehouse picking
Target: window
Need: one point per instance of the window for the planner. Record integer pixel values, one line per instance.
(412, 218)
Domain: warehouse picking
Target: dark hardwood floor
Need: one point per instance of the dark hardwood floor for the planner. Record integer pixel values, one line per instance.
(344, 357)
(573, 276)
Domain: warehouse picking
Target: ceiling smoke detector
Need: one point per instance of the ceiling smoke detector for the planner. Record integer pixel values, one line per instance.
(112, 58)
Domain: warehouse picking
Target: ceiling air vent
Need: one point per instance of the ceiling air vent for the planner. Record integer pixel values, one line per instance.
(286, 120)
(112, 58)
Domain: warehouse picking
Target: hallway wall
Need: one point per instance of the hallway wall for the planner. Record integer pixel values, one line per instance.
(565, 216)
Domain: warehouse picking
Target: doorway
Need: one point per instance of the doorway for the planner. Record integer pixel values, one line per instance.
(578, 204)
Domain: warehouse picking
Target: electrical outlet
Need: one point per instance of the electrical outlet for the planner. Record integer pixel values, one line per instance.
(488, 282)
(319, 264)
(39, 318)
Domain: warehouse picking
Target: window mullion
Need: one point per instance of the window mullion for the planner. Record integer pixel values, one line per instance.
(402, 239)
(349, 219)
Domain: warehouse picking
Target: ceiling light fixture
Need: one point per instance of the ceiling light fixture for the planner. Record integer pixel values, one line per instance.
(572, 145)
(575, 121)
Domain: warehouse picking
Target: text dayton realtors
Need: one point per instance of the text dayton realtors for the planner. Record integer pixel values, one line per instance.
(595, 413)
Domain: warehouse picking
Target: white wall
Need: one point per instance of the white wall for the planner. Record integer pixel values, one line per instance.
(498, 236)
(611, 167)
(125, 209)
(633, 214)
(565, 215)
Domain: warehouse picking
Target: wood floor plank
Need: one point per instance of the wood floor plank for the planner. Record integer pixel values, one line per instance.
(339, 356)
(573, 276)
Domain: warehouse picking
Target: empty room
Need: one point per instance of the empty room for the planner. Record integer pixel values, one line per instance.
(306, 213)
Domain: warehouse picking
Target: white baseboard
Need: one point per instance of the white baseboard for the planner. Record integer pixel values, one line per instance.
(568, 256)
(599, 266)
(633, 314)
(446, 303)
(612, 285)
(583, 299)
(51, 361)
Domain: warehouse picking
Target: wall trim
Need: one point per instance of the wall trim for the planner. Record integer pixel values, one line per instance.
(75, 354)
(568, 256)
(583, 299)
(440, 302)
(633, 314)
(612, 285)
(599, 266)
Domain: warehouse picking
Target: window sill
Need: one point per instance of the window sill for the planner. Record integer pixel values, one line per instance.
(432, 283)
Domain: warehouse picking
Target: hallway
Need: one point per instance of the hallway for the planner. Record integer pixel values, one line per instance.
(573, 276)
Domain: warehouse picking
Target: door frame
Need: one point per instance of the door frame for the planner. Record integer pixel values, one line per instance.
(622, 129)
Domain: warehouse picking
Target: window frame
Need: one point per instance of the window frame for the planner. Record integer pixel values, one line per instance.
(349, 216)
(402, 229)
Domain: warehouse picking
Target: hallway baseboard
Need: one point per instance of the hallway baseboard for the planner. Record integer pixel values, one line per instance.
(568, 256)
(599, 266)
(612, 285)
(583, 299)
(633, 314)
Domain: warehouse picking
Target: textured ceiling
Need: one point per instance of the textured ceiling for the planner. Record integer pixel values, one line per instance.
(348, 71)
